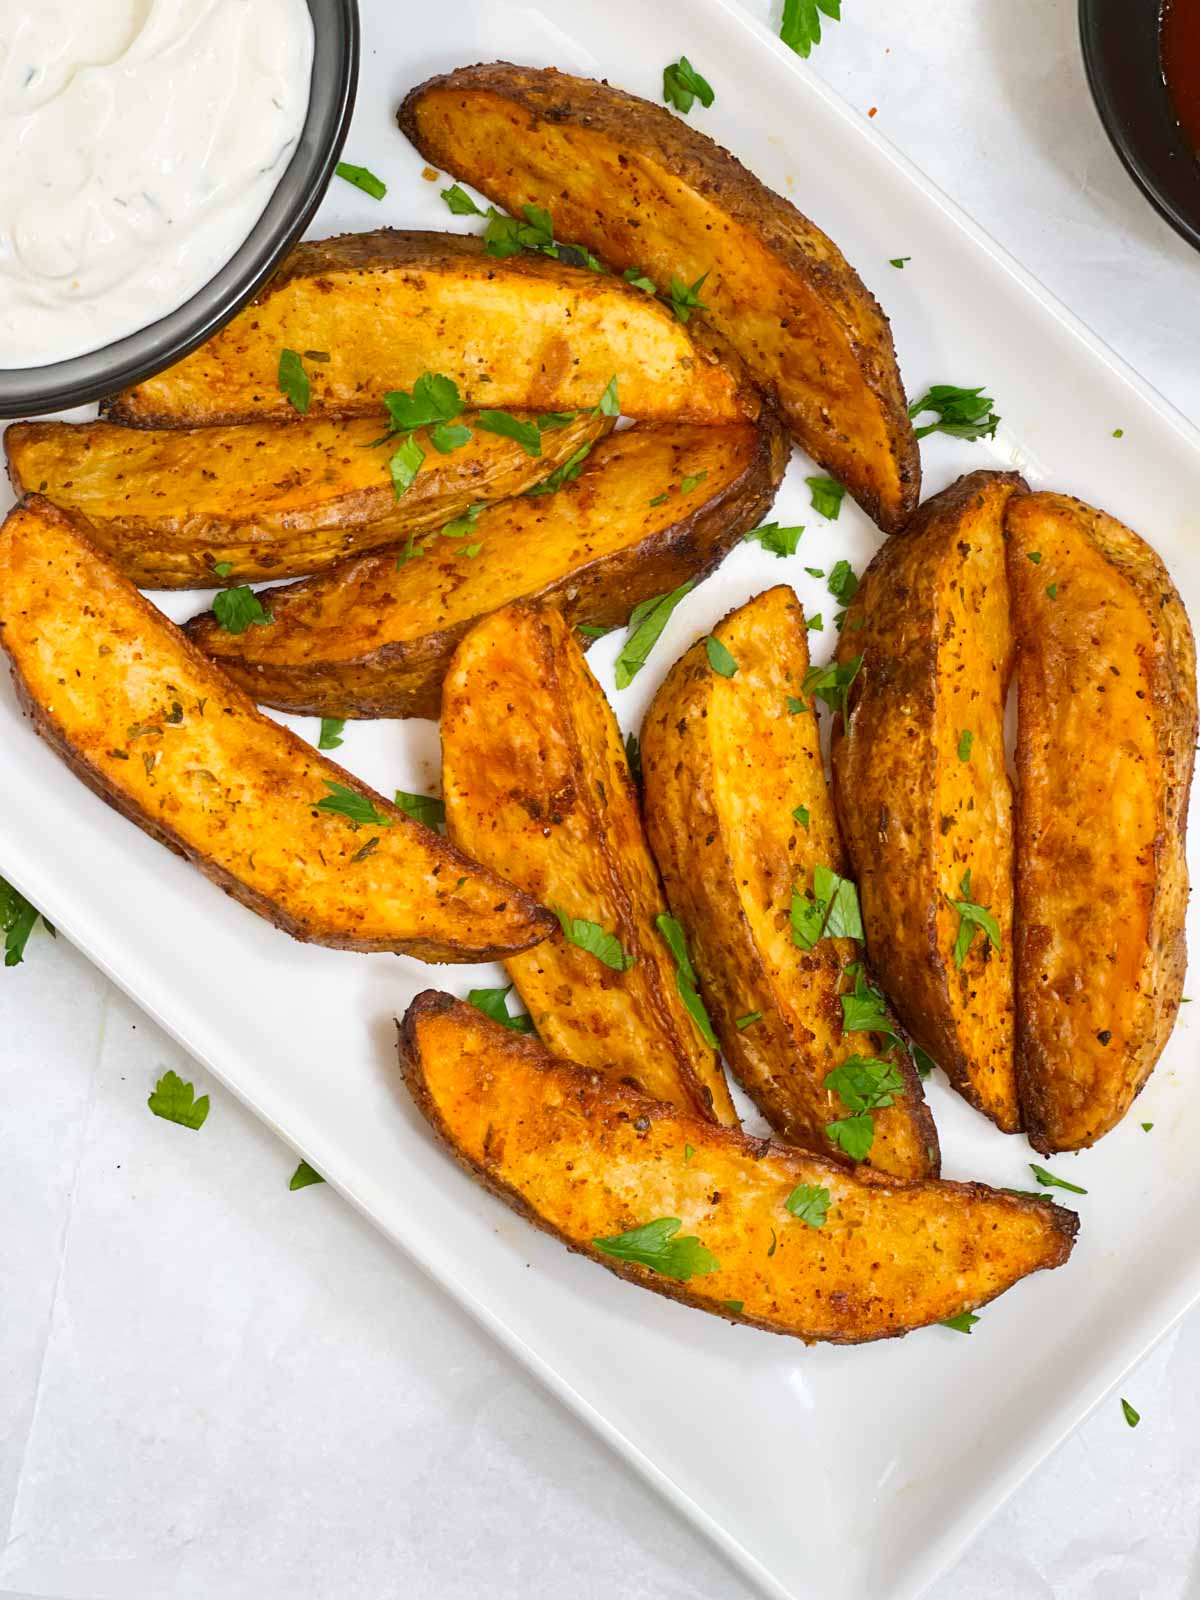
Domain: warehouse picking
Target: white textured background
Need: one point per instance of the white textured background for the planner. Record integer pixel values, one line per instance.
(211, 1388)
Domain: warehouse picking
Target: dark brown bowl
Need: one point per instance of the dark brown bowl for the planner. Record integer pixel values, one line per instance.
(1121, 53)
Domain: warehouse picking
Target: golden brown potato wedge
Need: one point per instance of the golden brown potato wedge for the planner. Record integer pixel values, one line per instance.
(536, 784)
(592, 1160)
(1106, 690)
(740, 822)
(373, 639)
(524, 333)
(264, 500)
(921, 788)
(642, 188)
(155, 729)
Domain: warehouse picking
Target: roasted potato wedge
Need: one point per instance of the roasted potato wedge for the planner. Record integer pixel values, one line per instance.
(526, 332)
(155, 729)
(642, 188)
(1106, 692)
(921, 788)
(739, 819)
(374, 639)
(856, 1256)
(536, 783)
(264, 500)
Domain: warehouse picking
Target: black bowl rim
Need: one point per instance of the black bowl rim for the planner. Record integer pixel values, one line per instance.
(1141, 171)
(98, 374)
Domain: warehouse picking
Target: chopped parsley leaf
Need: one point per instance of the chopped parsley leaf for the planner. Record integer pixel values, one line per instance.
(720, 658)
(358, 809)
(426, 808)
(237, 609)
(962, 1323)
(686, 485)
(779, 541)
(1052, 591)
(332, 729)
(18, 918)
(293, 381)
(830, 682)
(743, 1023)
(175, 1101)
(509, 427)
(843, 583)
(304, 1177)
(800, 27)
(898, 261)
(801, 816)
(460, 202)
(447, 436)
(646, 624)
(683, 86)
(827, 496)
(1049, 1181)
(639, 280)
(686, 980)
(494, 1004)
(971, 917)
(685, 300)
(965, 740)
(809, 1202)
(362, 178)
(1132, 1417)
(795, 706)
(654, 1245)
(597, 941)
(962, 413)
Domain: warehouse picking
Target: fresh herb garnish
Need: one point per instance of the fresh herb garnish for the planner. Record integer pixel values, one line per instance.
(448, 436)
(815, 623)
(1052, 591)
(843, 583)
(965, 740)
(506, 236)
(293, 380)
(175, 1101)
(864, 1084)
(800, 27)
(800, 814)
(809, 1202)
(832, 912)
(633, 756)
(830, 682)
(693, 481)
(686, 980)
(509, 427)
(685, 300)
(646, 624)
(222, 569)
(592, 630)
(18, 918)
(609, 403)
(424, 808)
(795, 705)
(743, 1023)
(570, 470)
(463, 527)
(962, 413)
(358, 810)
(460, 202)
(864, 1010)
(1118, 433)
(683, 85)
(304, 1177)
(1132, 1417)
(362, 178)
(433, 398)
(494, 1004)
(923, 1061)
(827, 496)
(971, 917)
(331, 733)
(720, 659)
(1035, 556)
(237, 609)
(1049, 1181)
(898, 261)
(404, 466)
(410, 552)
(597, 941)
(639, 280)
(962, 1323)
(654, 1245)
(779, 541)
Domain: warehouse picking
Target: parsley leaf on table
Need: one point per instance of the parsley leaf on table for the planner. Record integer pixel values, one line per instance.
(18, 918)
(962, 1323)
(800, 27)
(175, 1101)
(1048, 1180)
(304, 1177)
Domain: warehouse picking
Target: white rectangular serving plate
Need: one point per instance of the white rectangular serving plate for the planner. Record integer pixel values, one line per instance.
(827, 1474)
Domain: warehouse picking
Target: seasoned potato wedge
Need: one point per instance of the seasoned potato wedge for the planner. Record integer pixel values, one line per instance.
(921, 788)
(739, 819)
(373, 639)
(156, 730)
(642, 188)
(536, 784)
(856, 1256)
(1106, 690)
(527, 332)
(264, 500)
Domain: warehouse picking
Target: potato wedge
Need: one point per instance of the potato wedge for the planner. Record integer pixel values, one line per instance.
(728, 764)
(642, 188)
(536, 783)
(525, 333)
(264, 500)
(371, 639)
(155, 729)
(921, 788)
(589, 1159)
(1106, 691)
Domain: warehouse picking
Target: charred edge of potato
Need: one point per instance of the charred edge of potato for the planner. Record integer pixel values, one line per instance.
(807, 253)
(595, 1094)
(403, 678)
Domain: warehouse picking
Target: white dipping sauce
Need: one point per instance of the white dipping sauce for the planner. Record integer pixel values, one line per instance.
(140, 141)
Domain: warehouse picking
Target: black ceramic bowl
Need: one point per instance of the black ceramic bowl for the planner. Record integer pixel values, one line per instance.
(26, 391)
(1121, 52)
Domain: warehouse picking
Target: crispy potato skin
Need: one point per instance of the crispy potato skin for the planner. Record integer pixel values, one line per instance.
(1106, 688)
(536, 784)
(640, 187)
(372, 640)
(931, 623)
(524, 333)
(585, 1157)
(726, 765)
(153, 728)
(270, 500)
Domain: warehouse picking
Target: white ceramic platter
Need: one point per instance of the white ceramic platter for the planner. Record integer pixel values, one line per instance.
(828, 1474)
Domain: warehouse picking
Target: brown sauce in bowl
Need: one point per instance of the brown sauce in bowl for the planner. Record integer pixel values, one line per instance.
(1179, 37)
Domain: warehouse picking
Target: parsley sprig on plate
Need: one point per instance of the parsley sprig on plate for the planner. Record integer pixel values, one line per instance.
(683, 86)
(962, 413)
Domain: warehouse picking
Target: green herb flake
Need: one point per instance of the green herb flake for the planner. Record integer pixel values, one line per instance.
(448, 436)
(646, 624)
(1132, 1417)
(1118, 433)
(293, 381)
(654, 1245)
(972, 917)
(686, 980)
(965, 740)
(175, 1101)
(827, 496)
(222, 569)
(358, 809)
(597, 941)
(566, 473)
(331, 733)
(410, 552)
(639, 280)
(733, 1305)
(801, 815)
(424, 808)
(240, 608)
(779, 541)
(815, 623)
(795, 705)
(18, 918)
(688, 1153)
(748, 1020)
(831, 682)
(962, 413)
(633, 756)
(899, 261)
(592, 630)
(460, 202)
(1049, 1181)
(843, 582)
(809, 1203)
(800, 26)
(694, 481)
(923, 1061)
(304, 1177)
(433, 398)
(864, 1010)
(404, 466)
(1146, 1126)
(504, 423)
(1052, 591)
(362, 178)
(685, 300)
(720, 659)
(660, 499)
(853, 1135)
(962, 1323)
(494, 1004)
(832, 911)
(1035, 556)
(683, 86)
(609, 403)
